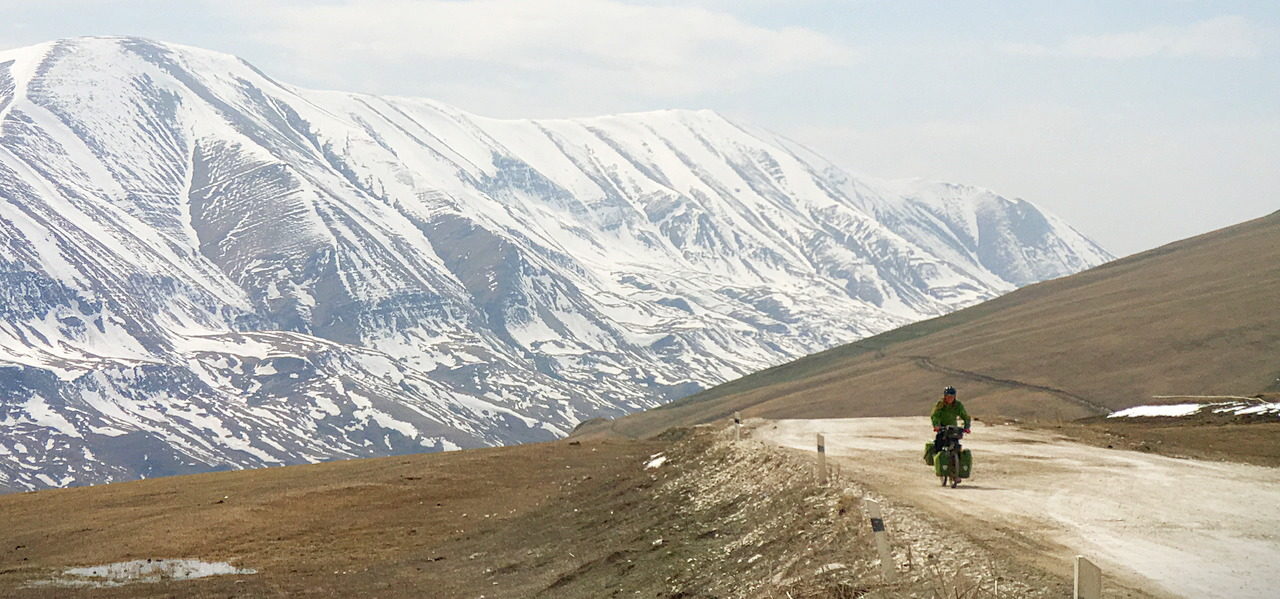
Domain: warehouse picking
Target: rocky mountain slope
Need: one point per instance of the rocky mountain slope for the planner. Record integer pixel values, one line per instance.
(204, 268)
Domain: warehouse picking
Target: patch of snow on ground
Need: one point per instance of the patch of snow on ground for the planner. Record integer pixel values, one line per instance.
(148, 570)
(657, 461)
(1240, 408)
(1182, 409)
(1268, 408)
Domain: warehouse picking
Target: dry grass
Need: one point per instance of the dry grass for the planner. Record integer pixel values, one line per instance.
(718, 519)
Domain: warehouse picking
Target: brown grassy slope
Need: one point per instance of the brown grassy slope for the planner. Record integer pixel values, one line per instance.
(1199, 316)
(392, 527)
(558, 520)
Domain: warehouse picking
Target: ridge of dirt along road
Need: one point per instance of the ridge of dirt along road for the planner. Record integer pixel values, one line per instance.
(1167, 526)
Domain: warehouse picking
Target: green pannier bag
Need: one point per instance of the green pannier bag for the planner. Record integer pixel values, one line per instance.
(942, 463)
(928, 453)
(966, 463)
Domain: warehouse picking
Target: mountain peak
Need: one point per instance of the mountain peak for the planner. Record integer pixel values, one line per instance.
(214, 270)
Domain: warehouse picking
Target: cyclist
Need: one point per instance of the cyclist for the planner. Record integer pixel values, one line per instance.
(946, 413)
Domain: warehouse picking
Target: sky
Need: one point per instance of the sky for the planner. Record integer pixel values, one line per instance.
(1139, 121)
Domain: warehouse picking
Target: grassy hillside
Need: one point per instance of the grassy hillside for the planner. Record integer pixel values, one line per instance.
(1195, 317)
(588, 519)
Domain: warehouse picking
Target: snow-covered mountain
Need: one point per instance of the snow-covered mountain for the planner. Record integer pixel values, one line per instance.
(204, 268)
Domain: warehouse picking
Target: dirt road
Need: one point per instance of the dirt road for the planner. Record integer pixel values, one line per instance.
(1162, 526)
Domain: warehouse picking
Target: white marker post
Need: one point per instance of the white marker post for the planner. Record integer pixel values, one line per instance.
(1088, 583)
(882, 540)
(737, 426)
(822, 460)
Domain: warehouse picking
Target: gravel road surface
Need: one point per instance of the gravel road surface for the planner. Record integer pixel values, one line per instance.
(1156, 525)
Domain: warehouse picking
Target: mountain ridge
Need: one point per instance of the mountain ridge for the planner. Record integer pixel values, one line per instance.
(213, 269)
(1189, 318)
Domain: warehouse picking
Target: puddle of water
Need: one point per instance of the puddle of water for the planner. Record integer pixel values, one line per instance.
(142, 570)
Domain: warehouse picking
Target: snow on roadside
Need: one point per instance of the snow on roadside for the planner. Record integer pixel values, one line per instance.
(142, 570)
(1239, 408)
(1182, 409)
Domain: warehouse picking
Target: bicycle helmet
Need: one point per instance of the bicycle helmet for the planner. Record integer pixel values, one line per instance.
(949, 391)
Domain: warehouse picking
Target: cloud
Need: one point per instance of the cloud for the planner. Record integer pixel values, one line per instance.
(1219, 37)
(657, 51)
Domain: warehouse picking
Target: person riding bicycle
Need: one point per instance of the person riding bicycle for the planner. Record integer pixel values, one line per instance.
(946, 413)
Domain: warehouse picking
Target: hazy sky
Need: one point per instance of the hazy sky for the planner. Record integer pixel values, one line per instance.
(1140, 122)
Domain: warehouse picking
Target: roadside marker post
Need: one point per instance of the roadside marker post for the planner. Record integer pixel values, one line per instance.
(822, 460)
(737, 426)
(1088, 580)
(882, 539)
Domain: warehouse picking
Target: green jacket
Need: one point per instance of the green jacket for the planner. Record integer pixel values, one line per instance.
(944, 415)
